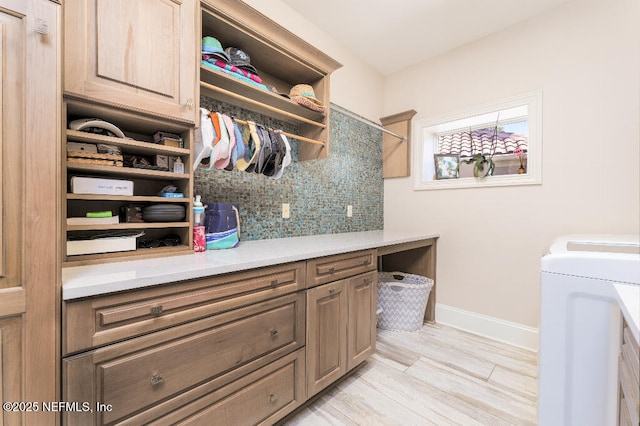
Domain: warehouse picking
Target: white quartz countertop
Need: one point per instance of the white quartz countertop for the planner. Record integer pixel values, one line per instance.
(629, 300)
(92, 280)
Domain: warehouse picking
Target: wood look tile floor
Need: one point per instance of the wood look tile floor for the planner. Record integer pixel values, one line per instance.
(437, 376)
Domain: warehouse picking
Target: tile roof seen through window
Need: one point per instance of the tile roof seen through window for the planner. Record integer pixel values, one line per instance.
(481, 141)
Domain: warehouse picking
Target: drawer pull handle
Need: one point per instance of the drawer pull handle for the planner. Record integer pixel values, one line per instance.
(274, 283)
(366, 262)
(156, 310)
(332, 290)
(367, 280)
(274, 333)
(273, 398)
(332, 270)
(156, 380)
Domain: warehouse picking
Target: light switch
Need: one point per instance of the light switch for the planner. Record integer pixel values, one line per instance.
(285, 210)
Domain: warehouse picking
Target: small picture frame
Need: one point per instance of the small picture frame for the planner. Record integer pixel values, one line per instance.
(447, 166)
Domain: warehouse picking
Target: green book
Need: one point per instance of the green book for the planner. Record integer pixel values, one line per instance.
(99, 214)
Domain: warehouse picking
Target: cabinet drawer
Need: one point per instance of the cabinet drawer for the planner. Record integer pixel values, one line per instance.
(136, 374)
(331, 268)
(98, 321)
(262, 397)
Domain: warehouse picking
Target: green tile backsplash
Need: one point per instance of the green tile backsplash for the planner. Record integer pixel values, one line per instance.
(317, 191)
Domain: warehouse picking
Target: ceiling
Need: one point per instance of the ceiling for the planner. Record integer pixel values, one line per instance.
(391, 35)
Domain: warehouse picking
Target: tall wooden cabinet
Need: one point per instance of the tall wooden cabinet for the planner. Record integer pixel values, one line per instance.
(132, 53)
(133, 64)
(29, 266)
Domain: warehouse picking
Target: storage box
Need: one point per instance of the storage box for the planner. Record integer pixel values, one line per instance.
(161, 161)
(169, 139)
(86, 185)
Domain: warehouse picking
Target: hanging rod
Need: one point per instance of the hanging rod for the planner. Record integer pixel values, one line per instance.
(290, 135)
(366, 121)
(260, 104)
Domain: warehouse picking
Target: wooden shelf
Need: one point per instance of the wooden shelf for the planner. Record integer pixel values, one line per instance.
(139, 129)
(126, 172)
(131, 198)
(138, 254)
(119, 226)
(129, 146)
(234, 91)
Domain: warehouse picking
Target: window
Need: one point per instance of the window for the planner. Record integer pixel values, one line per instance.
(508, 132)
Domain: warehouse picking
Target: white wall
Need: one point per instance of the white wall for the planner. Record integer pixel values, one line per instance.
(355, 86)
(586, 59)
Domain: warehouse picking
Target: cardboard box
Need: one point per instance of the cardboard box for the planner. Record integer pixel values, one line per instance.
(131, 214)
(86, 185)
(161, 161)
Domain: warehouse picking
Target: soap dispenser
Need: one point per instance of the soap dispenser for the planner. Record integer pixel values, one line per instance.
(178, 166)
(198, 212)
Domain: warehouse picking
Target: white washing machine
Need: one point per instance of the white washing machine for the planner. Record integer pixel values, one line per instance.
(580, 324)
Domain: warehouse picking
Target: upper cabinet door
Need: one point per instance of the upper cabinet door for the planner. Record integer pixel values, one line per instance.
(139, 54)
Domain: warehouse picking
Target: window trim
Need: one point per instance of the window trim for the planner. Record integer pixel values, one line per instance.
(534, 152)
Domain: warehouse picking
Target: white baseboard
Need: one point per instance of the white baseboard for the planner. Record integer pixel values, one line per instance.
(494, 328)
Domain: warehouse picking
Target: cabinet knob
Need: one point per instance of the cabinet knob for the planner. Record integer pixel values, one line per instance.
(332, 270)
(274, 333)
(274, 283)
(366, 262)
(367, 280)
(273, 398)
(156, 379)
(332, 290)
(189, 103)
(156, 310)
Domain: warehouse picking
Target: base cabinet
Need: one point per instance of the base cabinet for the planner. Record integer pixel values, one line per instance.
(341, 329)
(145, 379)
(236, 349)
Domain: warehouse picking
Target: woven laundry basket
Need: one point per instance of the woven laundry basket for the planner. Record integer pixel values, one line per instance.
(403, 300)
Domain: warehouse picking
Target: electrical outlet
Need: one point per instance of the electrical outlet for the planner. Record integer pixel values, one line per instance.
(285, 211)
(349, 211)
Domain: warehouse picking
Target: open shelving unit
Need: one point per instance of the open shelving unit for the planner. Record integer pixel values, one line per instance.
(139, 129)
(282, 60)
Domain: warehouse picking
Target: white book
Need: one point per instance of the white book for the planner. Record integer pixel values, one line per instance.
(93, 220)
(101, 245)
(87, 185)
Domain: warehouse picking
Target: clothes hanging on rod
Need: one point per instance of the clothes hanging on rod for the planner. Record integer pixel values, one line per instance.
(366, 121)
(222, 145)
